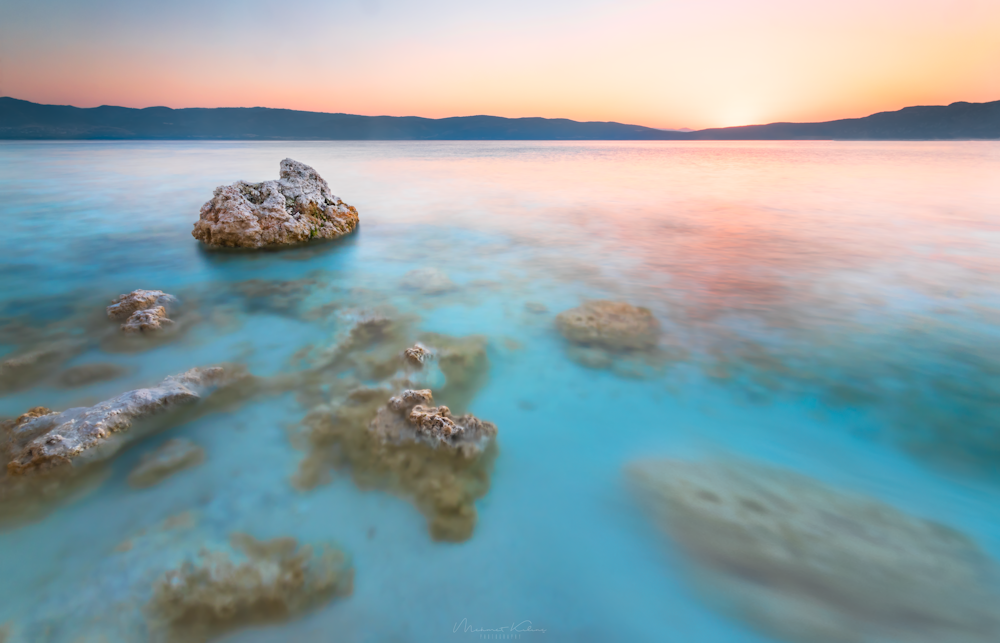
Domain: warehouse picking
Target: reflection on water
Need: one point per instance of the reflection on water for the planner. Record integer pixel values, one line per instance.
(740, 391)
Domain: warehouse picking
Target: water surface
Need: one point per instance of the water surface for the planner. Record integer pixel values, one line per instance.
(829, 308)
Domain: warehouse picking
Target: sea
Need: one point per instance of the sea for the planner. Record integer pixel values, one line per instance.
(830, 309)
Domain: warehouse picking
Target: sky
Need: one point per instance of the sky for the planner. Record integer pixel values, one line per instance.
(668, 64)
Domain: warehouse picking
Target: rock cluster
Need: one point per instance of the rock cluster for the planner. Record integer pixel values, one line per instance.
(264, 581)
(142, 310)
(806, 562)
(294, 209)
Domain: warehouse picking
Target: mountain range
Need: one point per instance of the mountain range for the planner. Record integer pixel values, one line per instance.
(24, 120)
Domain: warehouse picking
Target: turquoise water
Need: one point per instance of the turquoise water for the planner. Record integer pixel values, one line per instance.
(830, 308)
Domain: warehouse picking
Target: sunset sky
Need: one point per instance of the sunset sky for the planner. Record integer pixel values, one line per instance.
(664, 64)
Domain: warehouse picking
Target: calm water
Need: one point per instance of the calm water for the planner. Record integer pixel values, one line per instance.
(829, 308)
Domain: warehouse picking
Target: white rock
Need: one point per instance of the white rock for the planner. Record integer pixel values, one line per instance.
(294, 209)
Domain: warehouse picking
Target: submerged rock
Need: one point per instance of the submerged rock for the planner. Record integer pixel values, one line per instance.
(428, 281)
(170, 458)
(294, 209)
(143, 310)
(30, 367)
(808, 563)
(611, 325)
(266, 581)
(125, 305)
(144, 321)
(88, 433)
(85, 374)
(401, 445)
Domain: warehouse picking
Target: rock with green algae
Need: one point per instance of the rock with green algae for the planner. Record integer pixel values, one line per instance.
(806, 562)
(260, 582)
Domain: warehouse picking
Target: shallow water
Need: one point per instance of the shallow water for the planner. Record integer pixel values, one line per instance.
(829, 308)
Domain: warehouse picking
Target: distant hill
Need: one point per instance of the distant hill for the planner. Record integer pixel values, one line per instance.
(22, 120)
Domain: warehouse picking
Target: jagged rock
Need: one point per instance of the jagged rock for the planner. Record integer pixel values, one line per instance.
(124, 305)
(428, 281)
(171, 457)
(294, 209)
(612, 325)
(408, 417)
(808, 563)
(261, 582)
(58, 439)
(417, 354)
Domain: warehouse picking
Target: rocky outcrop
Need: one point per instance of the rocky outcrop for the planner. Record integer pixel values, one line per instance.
(143, 310)
(610, 325)
(806, 562)
(410, 417)
(294, 209)
(171, 457)
(37, 443)
(259, 582)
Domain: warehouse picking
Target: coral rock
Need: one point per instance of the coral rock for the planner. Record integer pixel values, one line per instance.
(809, 563)
(172, 456)
(294, 209)
(57, 439)
(611, 325)
(123, 307)
(269, 581)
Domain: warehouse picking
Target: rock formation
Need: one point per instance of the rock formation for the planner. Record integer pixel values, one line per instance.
(808, 563)
(171, 457)
(39, 442)
(294, 209)
(142, 310)
(261, 582)
(610, 325)
(440, 461)
(409, 417)
(418, 354)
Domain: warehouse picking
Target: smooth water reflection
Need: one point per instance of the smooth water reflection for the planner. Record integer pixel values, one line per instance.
(828, 308)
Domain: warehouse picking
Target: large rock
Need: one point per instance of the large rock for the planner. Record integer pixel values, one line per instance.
(294, 209)
(809, 563)
(39, 441)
